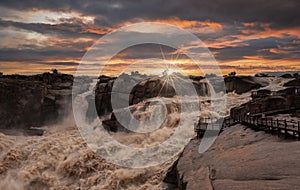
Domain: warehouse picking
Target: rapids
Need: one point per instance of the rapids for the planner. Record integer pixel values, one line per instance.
(61, 158)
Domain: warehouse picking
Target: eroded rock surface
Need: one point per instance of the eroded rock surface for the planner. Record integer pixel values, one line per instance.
(240, 159)
(33, 101)
(242, 84)
(135, 89)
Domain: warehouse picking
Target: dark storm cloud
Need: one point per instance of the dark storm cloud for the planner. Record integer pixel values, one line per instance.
(66, 63)
(38, 54)
(260, 47)
(279, 13)
(148, 51)
(238, 20)
(66, 29)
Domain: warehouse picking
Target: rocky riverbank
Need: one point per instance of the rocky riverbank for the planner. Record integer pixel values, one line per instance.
(239, 159)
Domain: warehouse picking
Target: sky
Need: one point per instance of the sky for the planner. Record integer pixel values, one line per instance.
(243, 36)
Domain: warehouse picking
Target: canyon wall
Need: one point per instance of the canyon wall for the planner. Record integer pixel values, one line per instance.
(34, 101)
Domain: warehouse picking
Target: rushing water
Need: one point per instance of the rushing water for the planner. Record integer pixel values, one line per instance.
(61, 158)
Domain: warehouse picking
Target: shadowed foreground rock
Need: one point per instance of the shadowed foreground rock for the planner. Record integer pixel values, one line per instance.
(240, 159)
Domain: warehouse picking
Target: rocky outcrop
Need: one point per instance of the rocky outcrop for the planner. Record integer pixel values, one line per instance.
(21, 102)
(292, 83)
(151, 88)
(103, 95)
(42, 99)
(283, 101)
(148, 87)
(253, 160)
(242, 84)
(33, 101)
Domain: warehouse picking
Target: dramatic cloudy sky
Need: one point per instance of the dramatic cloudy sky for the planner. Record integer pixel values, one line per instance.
(244, 36)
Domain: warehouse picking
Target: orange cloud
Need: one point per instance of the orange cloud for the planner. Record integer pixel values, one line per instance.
(190, 23)
(101, 31)
(194, 25)
(253, 33)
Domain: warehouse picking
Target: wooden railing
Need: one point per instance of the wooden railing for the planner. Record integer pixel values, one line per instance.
(207, 124)
(288, 128)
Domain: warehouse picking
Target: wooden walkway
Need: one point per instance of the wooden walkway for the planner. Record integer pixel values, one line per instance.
(286, 128)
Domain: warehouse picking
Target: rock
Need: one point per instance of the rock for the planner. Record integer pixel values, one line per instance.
(151, 88)
(286, 100)
(105, 79)
(292, 83)
(261, 93)
(263, 75)
(253, 160)
(148, 87)
(287, 76)
(196, 78)
(242, 84)
(102, 98)
(33, 101)
(21, 102)
(202, 87)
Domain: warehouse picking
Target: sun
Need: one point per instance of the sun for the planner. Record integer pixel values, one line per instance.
(169, 72)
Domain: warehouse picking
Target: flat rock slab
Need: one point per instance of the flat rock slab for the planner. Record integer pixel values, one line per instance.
(241, 159)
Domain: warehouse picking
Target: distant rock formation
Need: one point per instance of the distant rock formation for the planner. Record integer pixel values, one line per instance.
(292, 83)
(287, 75)
(242, 84)
(286, 100)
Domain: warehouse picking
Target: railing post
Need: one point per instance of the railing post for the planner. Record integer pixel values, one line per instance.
(298, 130)
(278, 130)
(285, 128)
(271, 126)
(266, 125)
